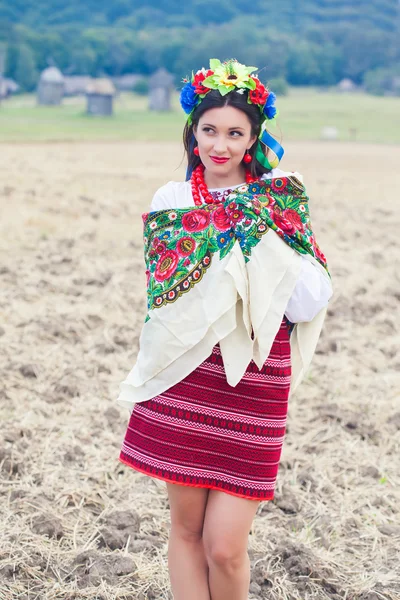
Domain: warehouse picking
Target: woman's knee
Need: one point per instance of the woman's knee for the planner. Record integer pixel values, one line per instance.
(227, 524)
(225, 555)
(187, 533)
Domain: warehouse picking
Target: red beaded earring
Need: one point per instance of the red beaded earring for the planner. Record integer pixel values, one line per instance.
(247, 158)
(196, 151)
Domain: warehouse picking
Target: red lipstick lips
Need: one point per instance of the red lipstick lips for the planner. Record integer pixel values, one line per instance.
(219, 161)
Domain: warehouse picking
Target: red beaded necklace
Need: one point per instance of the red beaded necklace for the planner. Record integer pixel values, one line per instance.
(199, 187)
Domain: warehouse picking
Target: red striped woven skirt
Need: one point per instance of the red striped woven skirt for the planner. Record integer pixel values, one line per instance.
(202, 432)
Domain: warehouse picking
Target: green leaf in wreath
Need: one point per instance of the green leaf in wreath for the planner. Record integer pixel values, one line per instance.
(224, 89)
(214, 63)
(210, 83)
(251, 84)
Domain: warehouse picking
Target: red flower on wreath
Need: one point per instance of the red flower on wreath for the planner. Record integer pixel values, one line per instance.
(221, 219)
(260, 94)
(196, 220)
(166, 265)
(197, 82)
(185, 246)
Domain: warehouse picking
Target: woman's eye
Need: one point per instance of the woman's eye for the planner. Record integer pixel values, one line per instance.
(232, 133)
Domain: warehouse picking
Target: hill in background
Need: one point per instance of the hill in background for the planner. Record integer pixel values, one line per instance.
(310, 42)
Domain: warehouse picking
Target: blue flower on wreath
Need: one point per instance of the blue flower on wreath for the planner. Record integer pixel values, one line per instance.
(165, 235)
(188, 98)
(269, 108)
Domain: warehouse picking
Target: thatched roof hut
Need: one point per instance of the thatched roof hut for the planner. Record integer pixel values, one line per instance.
(7, 87)
(346, 85)
(161, 86)
(100, 94)
(51, 87)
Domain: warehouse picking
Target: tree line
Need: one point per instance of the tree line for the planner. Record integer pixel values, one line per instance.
(309, 42)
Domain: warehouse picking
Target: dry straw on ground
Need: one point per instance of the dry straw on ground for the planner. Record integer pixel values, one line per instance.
(75, 522)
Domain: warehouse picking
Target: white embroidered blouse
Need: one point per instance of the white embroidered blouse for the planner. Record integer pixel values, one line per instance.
(312, 291)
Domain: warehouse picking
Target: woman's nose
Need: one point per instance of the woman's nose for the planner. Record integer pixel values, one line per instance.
(220, 145)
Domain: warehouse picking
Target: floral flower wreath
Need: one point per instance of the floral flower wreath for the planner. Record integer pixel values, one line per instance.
(226, 77)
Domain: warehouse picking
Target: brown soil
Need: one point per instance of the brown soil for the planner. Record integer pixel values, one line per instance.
(78, 524)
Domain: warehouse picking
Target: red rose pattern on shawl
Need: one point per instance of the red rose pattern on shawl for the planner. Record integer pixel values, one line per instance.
(196, 220)
(220, 218)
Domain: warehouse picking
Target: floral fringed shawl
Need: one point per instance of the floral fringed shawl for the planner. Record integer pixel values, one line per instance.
(224, 273)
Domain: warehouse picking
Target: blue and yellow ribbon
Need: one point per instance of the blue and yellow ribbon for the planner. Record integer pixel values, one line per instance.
(271, 143)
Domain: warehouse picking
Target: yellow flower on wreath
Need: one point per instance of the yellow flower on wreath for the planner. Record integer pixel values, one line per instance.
(229, 75)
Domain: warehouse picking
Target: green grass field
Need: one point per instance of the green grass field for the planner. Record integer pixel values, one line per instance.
(303, 113)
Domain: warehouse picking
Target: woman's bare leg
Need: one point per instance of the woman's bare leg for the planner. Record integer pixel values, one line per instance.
(187, 564)
(227, 524)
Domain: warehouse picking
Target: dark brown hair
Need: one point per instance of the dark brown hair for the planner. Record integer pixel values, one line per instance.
(215, 100)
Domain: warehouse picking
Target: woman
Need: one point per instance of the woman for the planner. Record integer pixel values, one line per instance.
(237, 293)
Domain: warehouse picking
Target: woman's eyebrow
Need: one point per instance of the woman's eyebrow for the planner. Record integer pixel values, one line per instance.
(213, 126)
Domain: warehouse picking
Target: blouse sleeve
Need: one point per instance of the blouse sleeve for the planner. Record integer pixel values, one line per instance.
(160, 200)
(311, 293)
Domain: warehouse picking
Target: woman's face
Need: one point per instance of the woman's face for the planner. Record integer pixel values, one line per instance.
(223, 133)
